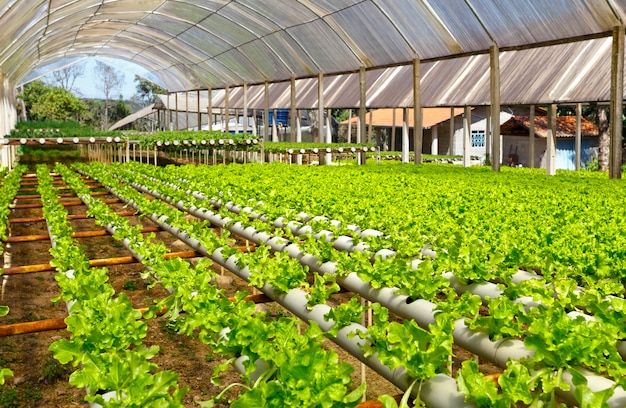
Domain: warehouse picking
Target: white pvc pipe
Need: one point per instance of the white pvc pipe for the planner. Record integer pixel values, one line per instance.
(422, 312)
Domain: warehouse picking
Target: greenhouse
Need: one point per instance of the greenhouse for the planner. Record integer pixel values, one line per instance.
(247, 251)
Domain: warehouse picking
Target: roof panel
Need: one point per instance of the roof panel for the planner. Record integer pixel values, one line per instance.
(191, 13)
(227, 30)
(152, 34)
(165, 24)
(73, 13)
(375, 38)
(541, 20)
(251, 19)
(451, 20)
(227, 42)
(292, 54)
(325, 47)
(128, 6)
(204, 41)
(265, 61)
(240, 65)
(285, 13)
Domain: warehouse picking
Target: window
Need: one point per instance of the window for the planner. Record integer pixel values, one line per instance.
(478, 138)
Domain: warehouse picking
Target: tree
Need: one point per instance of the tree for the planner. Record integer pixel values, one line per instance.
(110, 79)
(47, 102)
(119, 111)
(147, 90)
(66, 77)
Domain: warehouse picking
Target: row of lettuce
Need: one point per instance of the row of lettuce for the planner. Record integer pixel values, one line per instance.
(482, 226)
(229, 326)
(200, 309)
(10, 185)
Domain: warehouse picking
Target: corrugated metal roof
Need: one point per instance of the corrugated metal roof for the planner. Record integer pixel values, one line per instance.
(212, 44)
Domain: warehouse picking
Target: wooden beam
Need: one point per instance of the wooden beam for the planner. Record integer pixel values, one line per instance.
(360, 136)
(418, 128)
(496, 157)
(531, 135)
(551, 141)
(617, 102)
(467, 131)
(578, 137)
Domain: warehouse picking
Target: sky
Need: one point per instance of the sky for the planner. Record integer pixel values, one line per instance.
(85, 84)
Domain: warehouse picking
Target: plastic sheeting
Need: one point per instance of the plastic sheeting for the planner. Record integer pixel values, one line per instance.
(564, 73)
(192, 44)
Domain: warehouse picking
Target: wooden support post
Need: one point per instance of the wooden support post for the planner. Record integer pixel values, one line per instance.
(405, 135)
(209, 109)
(392, 147)
(293, 112)
(245, 108)
(452, 145)
(349, 136)
(199, 111)
(362, 106)
(176, 118)
(617, 102)
(320, 107)
(531, 135)
(578, 137)
(418, 129)
(226, 109)
(551, 141)
(495, 107)
(467, 130)
(266, 125)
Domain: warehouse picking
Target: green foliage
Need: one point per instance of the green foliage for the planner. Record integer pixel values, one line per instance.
(147, 90)
(46, 102)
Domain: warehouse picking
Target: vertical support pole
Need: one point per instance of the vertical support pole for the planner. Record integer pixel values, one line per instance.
(155, 156)
(226, 110)
(418, 129)
(531, 135)
(495, 107)
(405, 135)
(362, 106)
(370, 126)
(199, 123)
(329, 134)
(176, 106)
(209, 109)
(392, 147)
(434, 144)
(488, 137)
(245, 108)
(320, 107)
(467, 129)
(452, 127)
(266, 115)
(349, 137)
(551, 141)
(127, 150)
(293, 111)
(186, 110)
(578, 137)
(298, 138)
(617, 102)
(275, 137)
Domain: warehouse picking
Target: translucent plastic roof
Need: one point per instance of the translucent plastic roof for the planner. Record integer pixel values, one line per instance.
(196, 44)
